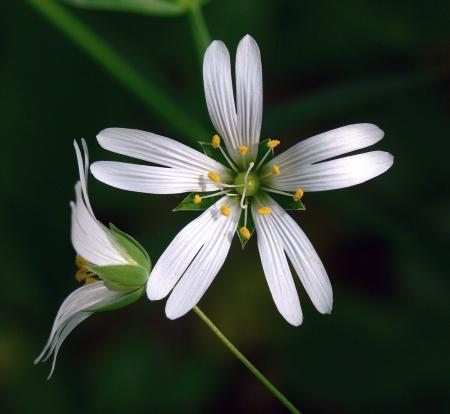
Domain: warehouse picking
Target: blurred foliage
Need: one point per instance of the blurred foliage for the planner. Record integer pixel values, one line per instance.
(385, 243)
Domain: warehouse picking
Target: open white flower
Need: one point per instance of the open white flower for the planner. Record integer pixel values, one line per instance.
(234, 183)
(113, 266)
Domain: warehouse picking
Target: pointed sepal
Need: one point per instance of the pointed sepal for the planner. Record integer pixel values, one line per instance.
(122, 277)
(288, 203)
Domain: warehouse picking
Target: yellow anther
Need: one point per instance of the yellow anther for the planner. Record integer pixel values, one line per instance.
(242, 149)
(225, 210)
(264, 211)
(90, 280)
(272, 143)
(80, 261)
(276, 169)
(81, 275)
(298, 194)
(197, 199)
(245, 232)
(215, 141)
(213, 176)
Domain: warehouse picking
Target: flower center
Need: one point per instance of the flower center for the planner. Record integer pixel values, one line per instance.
(252, 183)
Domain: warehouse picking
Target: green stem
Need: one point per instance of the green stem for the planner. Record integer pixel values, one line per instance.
(154, 99)
(202, 38)
(274, 390)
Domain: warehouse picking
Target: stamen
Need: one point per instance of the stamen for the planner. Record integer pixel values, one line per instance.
(276, 170)
(272, 190)
(272, 143)
(215, 141)
(264, 211)
(231, 163)
(216, 194)
(225, 210)
(213, 176)
(298, 194)
(83, 273)
(90, 280)
(242, 149)
(245, 233)
(197, 199)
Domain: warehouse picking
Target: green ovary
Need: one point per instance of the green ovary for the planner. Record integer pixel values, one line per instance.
(252, 183)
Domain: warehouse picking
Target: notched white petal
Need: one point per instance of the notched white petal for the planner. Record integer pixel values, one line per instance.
(152, 180)
(219, 95)
(335, 174)
(157, 149)
(249, 94)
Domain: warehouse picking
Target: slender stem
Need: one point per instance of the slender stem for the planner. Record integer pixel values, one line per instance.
(199, 29)
(277, 393)
(153, 98)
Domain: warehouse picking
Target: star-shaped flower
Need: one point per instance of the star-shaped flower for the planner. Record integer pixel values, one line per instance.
(242, 186)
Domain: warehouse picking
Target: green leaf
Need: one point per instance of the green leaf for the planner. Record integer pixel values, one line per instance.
(250, 226)
(123, 301)
(214, 153)
(288, 203)
(189, 205)
(262, 150)
(152, 7)
(123, 277)
(131, 247)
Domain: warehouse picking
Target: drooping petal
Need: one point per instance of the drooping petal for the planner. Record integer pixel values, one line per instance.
(157, 150)
(182, 250)
(249, 94)
(89, 237)
(334, 174)
(76, 307)
(148, 179)
(302, 255)
(219, 95)
(276, 268)
(327, 145)
(205, 266)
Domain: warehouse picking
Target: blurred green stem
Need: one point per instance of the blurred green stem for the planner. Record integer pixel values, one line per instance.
(199, 29)
(274, 390)
(154, 99)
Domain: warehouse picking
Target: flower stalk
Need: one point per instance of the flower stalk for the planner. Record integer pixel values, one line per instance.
(255, 371)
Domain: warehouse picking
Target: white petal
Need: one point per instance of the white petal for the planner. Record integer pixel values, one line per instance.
(89, 237)
(85, 299)
(327, 145)
(303, 257)
(157, 150)
(276, 268)
(148, 179)
(249, 94)
(334, 174)
(204, 268)
(219, 95)
(182, 250)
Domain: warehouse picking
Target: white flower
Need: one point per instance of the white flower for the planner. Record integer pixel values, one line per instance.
(113, 267)
(240, 185)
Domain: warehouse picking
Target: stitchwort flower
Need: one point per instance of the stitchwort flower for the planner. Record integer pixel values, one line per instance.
(242, 186)
(112, 266)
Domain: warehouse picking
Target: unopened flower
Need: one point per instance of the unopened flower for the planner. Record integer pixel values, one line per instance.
(112, 265)
(233, 182)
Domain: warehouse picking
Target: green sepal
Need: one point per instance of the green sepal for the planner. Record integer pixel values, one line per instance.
(262, 149)
(188, 203)
(123, 277)
(125, 300)
(214, 153)
(288, 203)
(131, 247)
(250, 226)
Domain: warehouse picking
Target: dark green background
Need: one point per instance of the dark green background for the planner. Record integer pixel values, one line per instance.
(384, 348)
